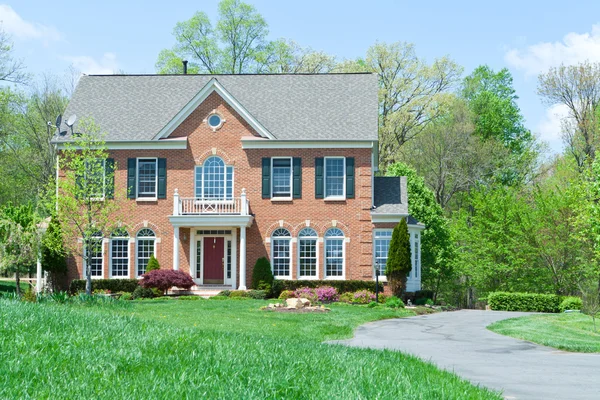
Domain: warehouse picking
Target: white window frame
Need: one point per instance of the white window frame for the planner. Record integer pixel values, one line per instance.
(417, 255)
(382, 276)
(137, 183)
(325, 240)
(103, 197)
(291, 178)
(290, 257)
(299, 241)
(216, 201)
(101, 276)
(343, 195)
(110, 257)
(137, 239)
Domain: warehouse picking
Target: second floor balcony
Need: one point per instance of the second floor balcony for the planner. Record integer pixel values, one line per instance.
(183, 206)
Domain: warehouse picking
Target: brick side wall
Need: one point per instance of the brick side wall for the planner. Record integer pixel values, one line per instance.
(352, 216)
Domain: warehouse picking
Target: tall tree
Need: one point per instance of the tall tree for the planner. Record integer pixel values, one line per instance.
(11, 70)
(578, 88)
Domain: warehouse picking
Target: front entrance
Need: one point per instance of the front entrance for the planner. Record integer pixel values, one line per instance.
(214, 260)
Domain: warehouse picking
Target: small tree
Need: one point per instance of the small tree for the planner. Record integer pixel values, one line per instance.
(262, 276)
(54, 259)
(153, 264)
(590, 300)
(164, 279)
(19, 240)
(399, 259)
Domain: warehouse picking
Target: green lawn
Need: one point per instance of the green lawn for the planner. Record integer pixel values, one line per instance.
(205, 349)
(11, 286)
(567, 331)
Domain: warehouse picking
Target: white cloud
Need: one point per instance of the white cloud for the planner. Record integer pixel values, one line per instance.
(13, 24)
(574, 48)
(88, 65)
(549, 128)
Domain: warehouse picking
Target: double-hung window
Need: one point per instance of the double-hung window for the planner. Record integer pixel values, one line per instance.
(119, 254)
(95, 251)
(282, 177)
(145, 247)
(334, 253)
(307, 253)
(214, 180)
(147, 177)
(95, 179)
(335, 177)
(381, 242)
(280, 253)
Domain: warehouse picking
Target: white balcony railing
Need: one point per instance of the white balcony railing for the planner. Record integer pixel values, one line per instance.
(198, 206)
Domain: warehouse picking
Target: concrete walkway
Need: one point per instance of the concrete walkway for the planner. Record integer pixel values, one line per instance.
(459, 342)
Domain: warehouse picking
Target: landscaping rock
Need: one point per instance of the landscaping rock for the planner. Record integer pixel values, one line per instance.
(297, 303)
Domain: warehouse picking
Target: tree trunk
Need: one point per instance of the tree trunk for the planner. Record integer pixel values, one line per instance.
(88, 281)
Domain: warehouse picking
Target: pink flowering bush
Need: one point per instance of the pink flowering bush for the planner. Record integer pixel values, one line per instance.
(327, 294)
(306, 293)
(164, 279)
(363, 297)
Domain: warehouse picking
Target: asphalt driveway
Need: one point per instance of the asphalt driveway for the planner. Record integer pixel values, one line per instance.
(459, 342)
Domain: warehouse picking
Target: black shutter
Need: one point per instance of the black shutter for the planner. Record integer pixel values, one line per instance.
(297, 177)
(162, 178)
(266, 178)
(319, 178)
(350, 177)
(131, 181)
(109, 171)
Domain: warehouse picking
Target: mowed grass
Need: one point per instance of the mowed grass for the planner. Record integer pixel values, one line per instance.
(11, 286)
(70, 352)
(567, 331)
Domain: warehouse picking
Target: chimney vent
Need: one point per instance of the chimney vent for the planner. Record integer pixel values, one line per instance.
(184, 67)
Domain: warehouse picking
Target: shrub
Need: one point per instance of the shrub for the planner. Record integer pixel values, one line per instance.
(524, 302)
(218, 298)
(341, 286)
(126, 296)
(30, 295)
(327, 294)
(394, 302)
(399, 263)
(153, 264)
(193, 298)
(164, 279)
(382, 297)
(422, 301)
(256, 294)
(287, 294)
(142, 293)
(237, 294)
(307, 293)
(61, 297)
(347, 297)
(114, 285)
(262, 277)
(570, 303)
(372, 304)
(363, 297)
(423, 294)
(225, 293)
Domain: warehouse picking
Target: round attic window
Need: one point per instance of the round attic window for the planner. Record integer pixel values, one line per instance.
(214, 121)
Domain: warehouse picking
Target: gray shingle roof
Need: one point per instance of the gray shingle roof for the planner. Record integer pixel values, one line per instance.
(291, 107)
(391, 195)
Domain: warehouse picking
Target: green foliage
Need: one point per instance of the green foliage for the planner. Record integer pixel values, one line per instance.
(152, 264)
(341, 286)
(219, 298)
(126, 296)
(256, 294)
(570, 303)
(394, 302)
(143, 293)
(286, 294)
(534, 302)
(347, 297)
(113, 285)
(399, 259)
(53, 252)
(262, 276)
(192, 298)
(29, 295)
(225, 293)
(237, 293)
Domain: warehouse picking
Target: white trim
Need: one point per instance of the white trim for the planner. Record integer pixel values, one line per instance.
(164, 144)
(290, 252)
(338, 197)
(212, 86)
(225, 166)
(382, 277)
(255, 143)
(291, 178)
(137, 179)
(211, 220)
(135, 247)
(383, 218)
(334, 277)
(110, 257)
(84, 257)
(194, 252)
(316, 239)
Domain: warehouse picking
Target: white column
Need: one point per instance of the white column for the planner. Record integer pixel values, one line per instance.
(176, 248)
(244, 203)
(176, 202)
(38, 275)
(242, 258)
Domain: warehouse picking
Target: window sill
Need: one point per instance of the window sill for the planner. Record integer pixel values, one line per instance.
(281, 199)
(308, 278)
(142, 199)
(287, 278)
(334, 199)
(334, 278)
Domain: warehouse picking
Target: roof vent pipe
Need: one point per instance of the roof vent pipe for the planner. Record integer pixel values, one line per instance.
(184, 67)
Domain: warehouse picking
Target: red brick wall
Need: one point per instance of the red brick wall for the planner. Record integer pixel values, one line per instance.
(352, 215)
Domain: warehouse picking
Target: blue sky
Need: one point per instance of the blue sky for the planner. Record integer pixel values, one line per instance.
(527, 37)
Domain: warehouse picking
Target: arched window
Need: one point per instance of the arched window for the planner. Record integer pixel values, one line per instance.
(307, 253)
(95, 247)
(214, 180)
(280, 253)
(334, 253)
(145, 247)
(119, 254)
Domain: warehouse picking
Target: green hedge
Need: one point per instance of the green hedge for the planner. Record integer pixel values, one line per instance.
(114, 285)
(504, 301)
(341, 286)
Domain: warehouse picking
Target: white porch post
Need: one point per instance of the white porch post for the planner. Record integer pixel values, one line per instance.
(242, 258)
(38, 275)
(176, 248)
(176, 202)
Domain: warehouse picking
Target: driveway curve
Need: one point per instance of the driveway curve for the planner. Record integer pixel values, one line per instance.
(459, 342)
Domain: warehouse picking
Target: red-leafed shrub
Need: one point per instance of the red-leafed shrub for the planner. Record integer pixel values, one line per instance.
(164, 279)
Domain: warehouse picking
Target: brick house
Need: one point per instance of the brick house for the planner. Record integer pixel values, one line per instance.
(220, 170)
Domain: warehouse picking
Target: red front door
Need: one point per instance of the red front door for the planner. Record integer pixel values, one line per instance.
(213, 259)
